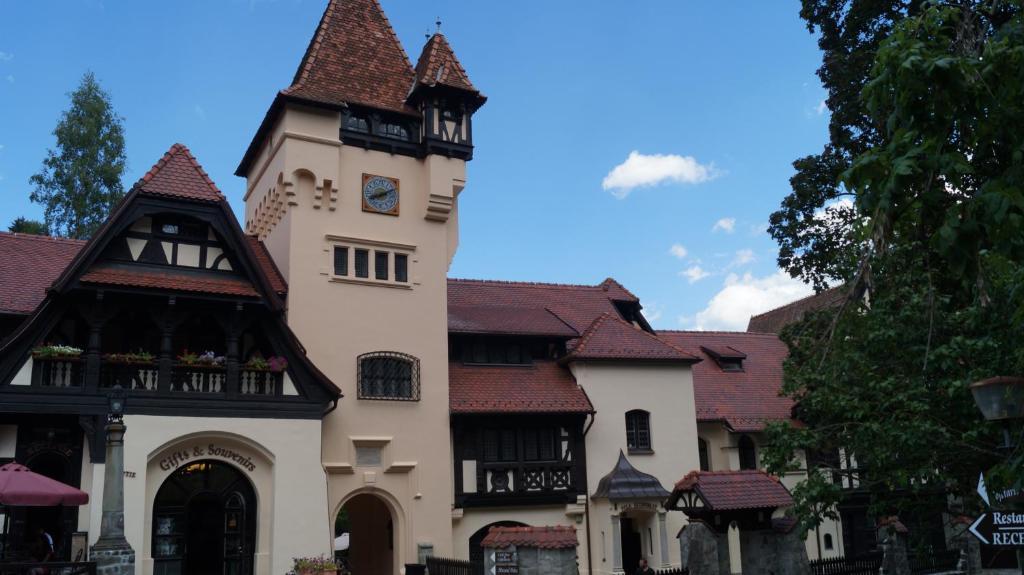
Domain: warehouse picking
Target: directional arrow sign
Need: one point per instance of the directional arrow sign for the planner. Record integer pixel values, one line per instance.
(999, 529)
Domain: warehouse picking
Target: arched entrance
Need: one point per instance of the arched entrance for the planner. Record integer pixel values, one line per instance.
(371, 535)
(204, 521)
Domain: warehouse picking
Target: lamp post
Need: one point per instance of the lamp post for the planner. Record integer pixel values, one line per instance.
(1001, 398)
(112, 553)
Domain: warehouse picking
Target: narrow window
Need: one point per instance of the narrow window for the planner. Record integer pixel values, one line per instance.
(380, 265)
(638, 431)
(362, 263)
(829, 545)
(748, 454)
(401, 268)
(340, 261)
(702, 451)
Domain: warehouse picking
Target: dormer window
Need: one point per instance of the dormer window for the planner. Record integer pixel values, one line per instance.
(357, 124)
(728, 358)
(393, 130)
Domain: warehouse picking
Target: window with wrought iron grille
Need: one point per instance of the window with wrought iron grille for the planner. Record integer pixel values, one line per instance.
(638, 431)
(388, 375)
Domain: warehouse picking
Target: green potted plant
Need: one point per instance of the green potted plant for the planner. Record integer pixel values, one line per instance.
(274, 363)
(314, 566)
(50, 351)
(139, 357)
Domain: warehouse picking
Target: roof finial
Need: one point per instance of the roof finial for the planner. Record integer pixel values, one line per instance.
(438, 25)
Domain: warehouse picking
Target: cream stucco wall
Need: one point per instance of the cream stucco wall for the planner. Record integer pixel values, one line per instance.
(666, 392)
(317, 185)
(288, 479)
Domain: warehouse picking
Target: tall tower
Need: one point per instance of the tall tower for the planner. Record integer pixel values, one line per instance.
(353, 181)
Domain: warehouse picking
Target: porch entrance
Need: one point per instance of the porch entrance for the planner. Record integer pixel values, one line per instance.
(371, 548)
(204, 522)
(632, 545)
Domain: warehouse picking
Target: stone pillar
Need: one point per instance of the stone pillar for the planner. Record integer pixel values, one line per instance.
(663, 539)
(112, 553)
(698, 547)
(892, 541)
(735, 548)
(616, 544)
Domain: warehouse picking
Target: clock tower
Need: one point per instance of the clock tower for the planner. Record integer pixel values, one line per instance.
(352, 182)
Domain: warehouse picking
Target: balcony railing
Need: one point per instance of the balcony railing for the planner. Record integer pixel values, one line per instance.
(260, 382)
(525, 477)
(58, 372)
(198, 378)
(133, 376)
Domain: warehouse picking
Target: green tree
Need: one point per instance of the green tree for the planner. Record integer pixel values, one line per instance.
(925, 143)
(23, 225)
(80, 181)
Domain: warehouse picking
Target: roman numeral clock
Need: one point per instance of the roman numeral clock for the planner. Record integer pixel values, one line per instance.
(380, 194)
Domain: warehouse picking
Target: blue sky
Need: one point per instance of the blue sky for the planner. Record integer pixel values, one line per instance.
(716, 99)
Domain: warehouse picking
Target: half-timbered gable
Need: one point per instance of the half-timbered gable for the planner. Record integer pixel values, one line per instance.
(171, 302)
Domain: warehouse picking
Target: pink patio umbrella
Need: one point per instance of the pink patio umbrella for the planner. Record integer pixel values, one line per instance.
(21, 487)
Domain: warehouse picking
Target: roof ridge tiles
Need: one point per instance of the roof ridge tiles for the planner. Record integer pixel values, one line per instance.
(595, 326)
(43, 238)
(527, 283)
(212, 193)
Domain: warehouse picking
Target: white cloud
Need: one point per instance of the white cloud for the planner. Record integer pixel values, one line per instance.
(6, 56)
(742, 297)
(653, 311)
(694, 274)
(677, 250)
(743, 257)
(642, 170)
(727, 225)
(821, 108)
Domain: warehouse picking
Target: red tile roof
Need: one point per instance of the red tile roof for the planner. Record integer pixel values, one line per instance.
(179, 175)
(507, 321)
(744, 400)
(267, 265)
(611, 338)
(773, 321)
(555, 537)
(439, 66)
(732, 490)
(576, 305)
(355, 57)
(169, 280)
(543, 387)
(30, 265)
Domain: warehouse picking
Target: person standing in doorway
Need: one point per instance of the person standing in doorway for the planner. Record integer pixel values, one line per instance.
(643, 569)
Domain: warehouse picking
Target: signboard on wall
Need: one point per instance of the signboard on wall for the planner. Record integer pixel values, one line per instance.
(997, 527)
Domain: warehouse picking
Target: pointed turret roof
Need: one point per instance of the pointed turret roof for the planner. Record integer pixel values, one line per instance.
(625, 482)
(354, 58)
(178, 175)
(439, 66)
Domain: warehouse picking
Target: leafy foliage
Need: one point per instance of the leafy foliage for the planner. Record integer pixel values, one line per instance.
(22, 225)
(927, 101)
(80, 181)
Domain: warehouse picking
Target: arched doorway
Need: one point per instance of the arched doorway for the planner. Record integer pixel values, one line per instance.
(476, 552)
(371, 535)
(204, 521)
(57, 522)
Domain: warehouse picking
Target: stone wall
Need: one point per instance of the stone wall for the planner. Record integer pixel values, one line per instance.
(763, 552)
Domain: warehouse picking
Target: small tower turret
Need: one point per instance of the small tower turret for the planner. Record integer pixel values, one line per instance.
(444, 94)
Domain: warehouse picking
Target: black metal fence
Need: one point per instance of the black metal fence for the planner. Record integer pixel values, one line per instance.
(934, 562)
(673, 571)
(51, 568)
(843, 566)
(442, 566)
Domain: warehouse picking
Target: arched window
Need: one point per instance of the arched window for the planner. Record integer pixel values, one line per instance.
(702, 451)
(748, 454)
(388, 375)
(828, 542)
(638, 431)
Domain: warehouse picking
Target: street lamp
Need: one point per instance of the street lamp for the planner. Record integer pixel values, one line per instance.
(116, 400)
(1000, 398)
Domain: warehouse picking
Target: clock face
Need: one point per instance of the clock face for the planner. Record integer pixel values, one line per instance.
(380, 194)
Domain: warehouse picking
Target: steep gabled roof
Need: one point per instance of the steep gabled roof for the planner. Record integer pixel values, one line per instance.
(354, 57)
(438, 66)
(744, 400)
(733, 490)
(774, 320)
(542, 387)
(498, 320)
(178, 175)
(30, 265)
(610, 339)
